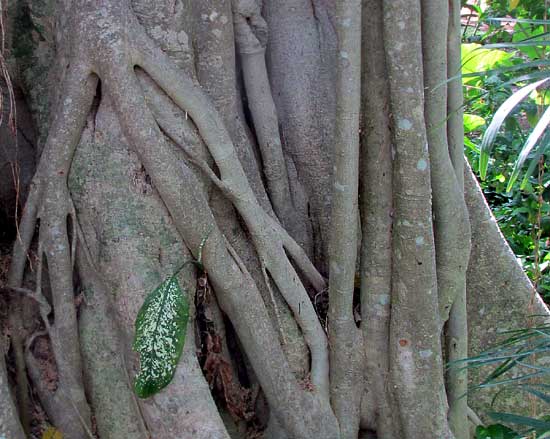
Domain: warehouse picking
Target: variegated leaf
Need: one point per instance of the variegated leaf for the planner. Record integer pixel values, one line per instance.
(160, 335)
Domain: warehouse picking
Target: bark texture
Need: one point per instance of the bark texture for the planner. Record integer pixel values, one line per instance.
(293, 134)
(345, 338)
(377, 223)
(489, 308)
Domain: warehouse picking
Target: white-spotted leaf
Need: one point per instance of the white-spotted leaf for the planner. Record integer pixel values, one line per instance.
(160, 336)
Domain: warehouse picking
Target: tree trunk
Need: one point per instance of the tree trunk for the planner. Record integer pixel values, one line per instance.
(501, 295)
(272, 140)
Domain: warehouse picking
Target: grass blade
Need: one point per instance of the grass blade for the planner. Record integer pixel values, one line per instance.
(533, 138)
(520, 420)
(501, 114)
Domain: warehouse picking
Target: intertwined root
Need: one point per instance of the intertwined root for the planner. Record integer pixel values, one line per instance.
(111, 44)
(49, 203)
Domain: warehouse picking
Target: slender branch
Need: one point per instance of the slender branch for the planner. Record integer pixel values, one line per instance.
(15, 280)
(474, 418)
(455, 123)
(451, 224)
(456, 342)
(272, 297)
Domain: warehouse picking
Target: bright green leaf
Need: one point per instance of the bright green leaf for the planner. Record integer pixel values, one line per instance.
(472, 122)
(513, 4)
(495, 431)
(160, 335)
(541, 97)
(527, 33)
(477, 59)
(471, 145)
(522, 44)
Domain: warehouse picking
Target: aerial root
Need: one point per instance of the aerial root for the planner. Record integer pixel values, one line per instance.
(473, 417)
(269, 236)
(238, 192)
(49, 203)
(53, 247)
(143, 132)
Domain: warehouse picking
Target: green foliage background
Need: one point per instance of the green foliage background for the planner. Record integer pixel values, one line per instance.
(491, 76)
(495, 68)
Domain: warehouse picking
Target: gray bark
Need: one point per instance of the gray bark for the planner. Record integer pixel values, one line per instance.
(9, 419)
(377, 223)
(499, 294)
(345, 338)
(415, 349)
(451, 223)
(457, 325)
(193, 130)
(300, 58)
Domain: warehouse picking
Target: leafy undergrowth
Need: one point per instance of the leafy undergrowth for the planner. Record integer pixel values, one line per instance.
(506, 67)
(517, 364)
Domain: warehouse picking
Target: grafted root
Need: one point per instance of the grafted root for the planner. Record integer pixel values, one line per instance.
(415, 352)
(284, 394)
(251, 41)
(54, 402)
(191, 99)
(451, 223)
(171, 119)
(113, 56)
(300, 305)
(457, 325)
(376, 216)
(49, 202)
(345, 338)
(269, 237)
(68, 402)
(233, 182)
